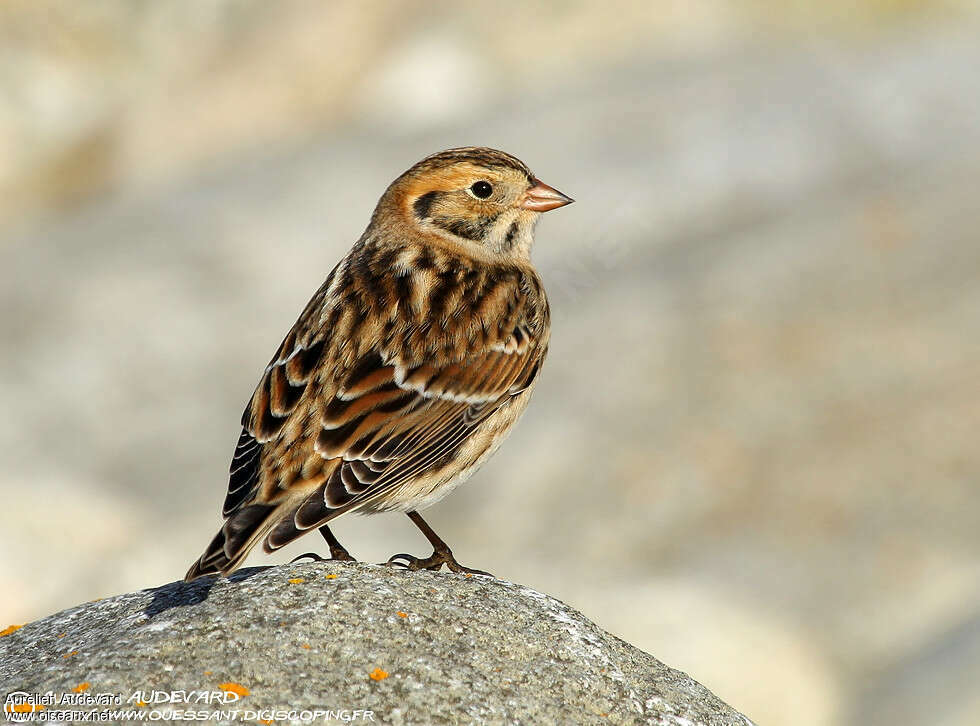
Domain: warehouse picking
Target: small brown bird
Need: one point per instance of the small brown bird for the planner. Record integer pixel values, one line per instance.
(407, 368)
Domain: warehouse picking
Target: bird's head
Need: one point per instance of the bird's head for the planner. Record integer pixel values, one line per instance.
(472, 196)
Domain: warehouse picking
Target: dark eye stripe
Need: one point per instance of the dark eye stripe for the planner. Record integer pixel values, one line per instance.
(423, 204)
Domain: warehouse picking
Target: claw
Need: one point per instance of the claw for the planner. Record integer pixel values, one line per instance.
(393, 561)
(312, 555)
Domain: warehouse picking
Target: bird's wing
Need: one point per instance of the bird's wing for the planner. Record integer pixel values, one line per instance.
(276, 397)
(376, 416)
(391, 423)
(408, 407)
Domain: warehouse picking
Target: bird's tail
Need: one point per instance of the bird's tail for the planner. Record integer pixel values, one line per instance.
(279, 524)
(229, 548)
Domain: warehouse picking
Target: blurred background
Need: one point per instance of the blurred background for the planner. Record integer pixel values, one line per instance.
(754, 450)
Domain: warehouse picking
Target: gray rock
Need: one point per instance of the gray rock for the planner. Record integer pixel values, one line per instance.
(309, 636)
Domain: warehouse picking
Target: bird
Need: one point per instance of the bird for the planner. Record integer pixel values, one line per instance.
(406, 370)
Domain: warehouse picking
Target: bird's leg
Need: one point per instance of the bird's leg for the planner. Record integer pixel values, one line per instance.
(337, 550)
(441, 554)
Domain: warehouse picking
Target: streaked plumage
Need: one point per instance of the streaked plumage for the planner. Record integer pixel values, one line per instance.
(406, 369)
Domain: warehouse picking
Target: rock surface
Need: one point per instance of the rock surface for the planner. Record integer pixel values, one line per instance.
(411, 648)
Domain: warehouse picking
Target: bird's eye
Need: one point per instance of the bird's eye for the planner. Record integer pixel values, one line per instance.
(481, 189)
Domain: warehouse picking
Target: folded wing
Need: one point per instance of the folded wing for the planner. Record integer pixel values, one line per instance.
(331, 428)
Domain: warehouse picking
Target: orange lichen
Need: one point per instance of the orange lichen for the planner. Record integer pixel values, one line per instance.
(306, 646)
(266, 721)
(401, 614)
(141, 704)
(232, 687)
(296, 580)
(9, 629)
(331, 576)
(63, 635)
(468, 574)
(378, 675)
(23, 707)
(69, 655)
(81, 687)
(207, 673)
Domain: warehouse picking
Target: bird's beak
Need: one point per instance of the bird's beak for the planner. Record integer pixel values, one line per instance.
(541, 198)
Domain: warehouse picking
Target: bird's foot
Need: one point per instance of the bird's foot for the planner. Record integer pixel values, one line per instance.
(433, 562)
(339, 553)
(336, 554)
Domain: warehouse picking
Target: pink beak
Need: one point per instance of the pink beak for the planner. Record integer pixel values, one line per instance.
(541, 198)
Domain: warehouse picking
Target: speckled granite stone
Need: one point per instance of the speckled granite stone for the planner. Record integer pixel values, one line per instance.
(443, 649)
